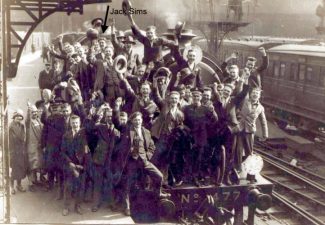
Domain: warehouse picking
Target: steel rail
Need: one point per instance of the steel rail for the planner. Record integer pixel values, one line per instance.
(312, 220)
(308, 181)
(288, 188)
(297, 169)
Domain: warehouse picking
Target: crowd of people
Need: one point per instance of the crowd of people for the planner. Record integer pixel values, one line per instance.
(111, 122)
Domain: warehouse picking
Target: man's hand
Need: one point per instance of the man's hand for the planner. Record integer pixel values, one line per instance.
(262, 139)
(120, 76)
(262, 51)
(60, 37)
(232, 56)
(111, 22)
(72, 165)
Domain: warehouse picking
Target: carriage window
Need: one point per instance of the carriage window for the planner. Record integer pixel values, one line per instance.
(282, 69)
(293, 73)
(309, 75)
(276, 69)
(270, 68)
(302, 72)
(322, 77)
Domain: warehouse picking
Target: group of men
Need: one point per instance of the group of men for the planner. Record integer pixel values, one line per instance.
(110, 123)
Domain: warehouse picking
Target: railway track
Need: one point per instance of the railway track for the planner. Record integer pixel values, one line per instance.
(299, 194)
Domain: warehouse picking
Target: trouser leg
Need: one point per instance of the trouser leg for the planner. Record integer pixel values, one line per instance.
(67, 191)
(155, 175)
(98, 183)
(248, 143)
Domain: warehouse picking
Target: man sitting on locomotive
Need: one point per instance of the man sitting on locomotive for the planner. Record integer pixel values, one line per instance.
(153, 45)
(189, 71)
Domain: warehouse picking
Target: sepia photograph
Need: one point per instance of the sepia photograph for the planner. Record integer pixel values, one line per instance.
(203, 112)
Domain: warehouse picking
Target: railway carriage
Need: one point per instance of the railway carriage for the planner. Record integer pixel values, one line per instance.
(293, 85)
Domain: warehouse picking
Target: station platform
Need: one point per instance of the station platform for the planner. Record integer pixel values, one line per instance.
(42, 208)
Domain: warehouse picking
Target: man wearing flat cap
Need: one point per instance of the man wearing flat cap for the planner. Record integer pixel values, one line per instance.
(197, 118)
(53, 130)
(45, 78)
(107, 136)
(170, 117)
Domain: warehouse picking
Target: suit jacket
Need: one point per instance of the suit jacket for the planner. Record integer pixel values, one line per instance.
(83, 77)
(165, 122)
(107, 139)
(136, 103)
(53, 130)
(74, 148)
(124, 149)
(198, 119)
(45, 80)
(248, 115)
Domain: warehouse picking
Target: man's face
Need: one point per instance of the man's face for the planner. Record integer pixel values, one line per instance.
(233, 73)
(102, 44)
(47, 67)
(151, 34)
(34, 114)
(57, 66)
(226, 93)
(255, 95)
(250, 65)
(145, 90)
(108, 117)
(182, 93)
(75, 124)
(66, 111)
(174, 99)
(196, 97)
(77, 58)
(81, 51)
(123, 119)
(69, 49)
(96, 46)
(137, 121)
(191, 56)
(141, 71)
(109, 52)
(188, 93)
(206, 96)
(161, 81)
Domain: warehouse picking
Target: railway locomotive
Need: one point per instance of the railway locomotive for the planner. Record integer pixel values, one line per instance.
(293, 84)
(210, 204)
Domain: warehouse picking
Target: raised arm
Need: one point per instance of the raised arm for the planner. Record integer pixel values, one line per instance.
(265, 60)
